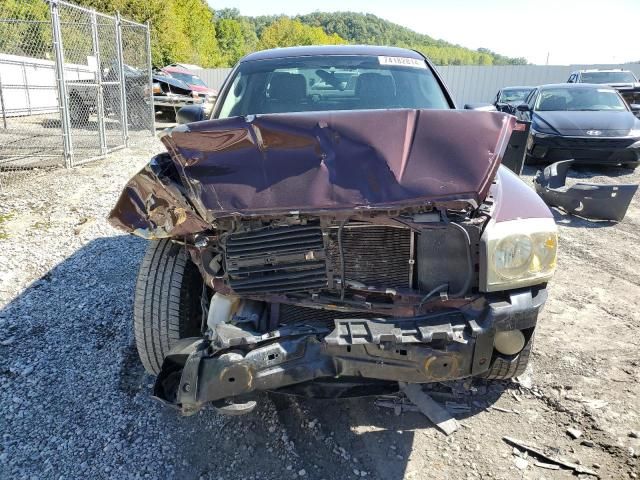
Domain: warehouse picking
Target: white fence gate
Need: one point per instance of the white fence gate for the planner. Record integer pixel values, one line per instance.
(75, 84)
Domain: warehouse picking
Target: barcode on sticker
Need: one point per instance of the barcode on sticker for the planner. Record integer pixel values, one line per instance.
(401, 62)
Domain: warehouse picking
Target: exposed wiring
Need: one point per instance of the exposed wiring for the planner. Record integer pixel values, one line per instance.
(438, 289)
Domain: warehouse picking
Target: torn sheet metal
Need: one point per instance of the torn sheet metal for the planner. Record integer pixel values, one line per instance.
(154, 204)
(589, 200)
(314, 162)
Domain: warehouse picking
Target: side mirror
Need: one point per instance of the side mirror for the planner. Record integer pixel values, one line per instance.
(635, 107)
(190, 114)
(523, 107)
(480, 107)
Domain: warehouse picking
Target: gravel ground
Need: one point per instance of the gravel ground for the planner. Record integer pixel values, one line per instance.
(75, 402)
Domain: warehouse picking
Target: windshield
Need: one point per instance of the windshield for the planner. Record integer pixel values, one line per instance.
(514, 95)
(607, 77)
(188, 78)
(331, 82)
(579, 99)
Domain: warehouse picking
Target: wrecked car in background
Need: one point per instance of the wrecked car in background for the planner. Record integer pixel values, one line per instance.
(508, 98)
(334, 242)
(192, 80)
(171, 93)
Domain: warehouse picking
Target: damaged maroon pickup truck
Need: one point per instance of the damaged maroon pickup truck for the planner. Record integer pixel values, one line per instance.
(337, 227)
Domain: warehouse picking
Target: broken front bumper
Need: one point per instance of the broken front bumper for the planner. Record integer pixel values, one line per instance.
(430, 348)
(588, 200)
(176, 101)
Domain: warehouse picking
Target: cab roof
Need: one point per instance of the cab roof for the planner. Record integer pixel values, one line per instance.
(605, 70)
(575, 85)
(332, 50)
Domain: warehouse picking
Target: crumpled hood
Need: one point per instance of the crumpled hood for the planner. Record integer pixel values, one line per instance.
(577, 123)
(174, 82)
(341, 161)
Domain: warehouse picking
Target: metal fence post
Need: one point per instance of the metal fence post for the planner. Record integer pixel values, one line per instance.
(99, 93)
(65, 118)
(150, 70)
(124, 109)
(25, 81)
(4, 113)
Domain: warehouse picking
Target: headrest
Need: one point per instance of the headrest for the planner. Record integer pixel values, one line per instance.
(375, 85)
(553, 102)
(287, 86)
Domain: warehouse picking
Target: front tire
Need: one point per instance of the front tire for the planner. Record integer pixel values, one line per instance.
(504, 367)
(166, 303)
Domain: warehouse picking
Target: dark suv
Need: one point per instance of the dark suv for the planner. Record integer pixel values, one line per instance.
(336, 240)
(625, 81)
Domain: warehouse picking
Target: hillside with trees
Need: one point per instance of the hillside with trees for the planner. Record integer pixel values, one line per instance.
(370, 29)
(190, 31)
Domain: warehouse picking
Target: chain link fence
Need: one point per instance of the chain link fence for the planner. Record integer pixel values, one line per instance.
(75, 85)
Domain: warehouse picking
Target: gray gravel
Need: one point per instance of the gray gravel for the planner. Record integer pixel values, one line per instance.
(75, 402)
(74, 399)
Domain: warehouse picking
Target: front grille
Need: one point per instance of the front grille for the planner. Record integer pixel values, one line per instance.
(276, 260)
(600, 143)
(373, 255)
(293, 314)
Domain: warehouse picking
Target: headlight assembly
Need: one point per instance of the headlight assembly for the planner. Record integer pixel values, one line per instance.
(518, 253)
(538, 134)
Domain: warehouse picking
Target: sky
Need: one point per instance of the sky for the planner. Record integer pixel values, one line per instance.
(568, 31)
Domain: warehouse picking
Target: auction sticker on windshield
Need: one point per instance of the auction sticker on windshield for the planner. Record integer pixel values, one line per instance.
(401, 62)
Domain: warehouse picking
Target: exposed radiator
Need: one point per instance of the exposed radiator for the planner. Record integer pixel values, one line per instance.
(373, 255)
(276, 260)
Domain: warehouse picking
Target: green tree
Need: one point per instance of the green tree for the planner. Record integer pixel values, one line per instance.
(30, 38)
(189, 31)
(231, 40)
(181, 30)
(286, 32)
(228, 13)
(369, 29)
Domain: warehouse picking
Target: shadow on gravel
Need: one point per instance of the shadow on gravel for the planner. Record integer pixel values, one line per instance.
(368, 437)
(77, 403)
(565, 219)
